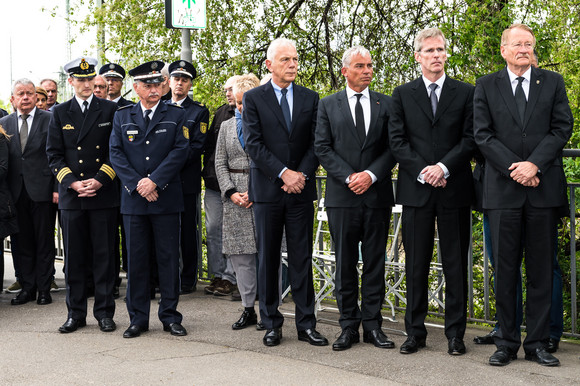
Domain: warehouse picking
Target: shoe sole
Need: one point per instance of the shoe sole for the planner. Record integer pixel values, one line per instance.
(534, 359)
(208, 291)
(13, 291)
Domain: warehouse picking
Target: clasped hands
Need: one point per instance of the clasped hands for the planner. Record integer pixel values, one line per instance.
(294, 182)
(525, 173)
(147, 189)
(85, 188)
(241, 199)
(359, 182)
(434, 176)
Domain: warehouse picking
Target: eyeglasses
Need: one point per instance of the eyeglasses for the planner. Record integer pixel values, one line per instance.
(526, 45)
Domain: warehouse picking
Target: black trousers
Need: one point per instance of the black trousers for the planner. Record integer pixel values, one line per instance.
(418, 237)
(164, 230)
(370, 227)
(539, 238)
(297, 218)
(33, 245)
(189, 240)
(89, 234)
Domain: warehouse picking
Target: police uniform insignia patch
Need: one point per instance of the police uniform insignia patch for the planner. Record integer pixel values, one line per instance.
(203, 127)
(131, 138)
(185, 132)
(68, 127)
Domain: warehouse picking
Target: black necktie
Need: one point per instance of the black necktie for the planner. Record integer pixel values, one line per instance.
(286, 109)
(146, 118)
(521, 98)
(434, 100)
(85, 108)
(23, 131)
(359, 118)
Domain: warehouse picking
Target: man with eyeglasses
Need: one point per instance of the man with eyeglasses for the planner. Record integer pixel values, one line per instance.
(522, 121)
(431, 136)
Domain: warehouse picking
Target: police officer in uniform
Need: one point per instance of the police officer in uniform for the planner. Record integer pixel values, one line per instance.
(114, 74)
(78, 155)
(148, 150)
(181, 75)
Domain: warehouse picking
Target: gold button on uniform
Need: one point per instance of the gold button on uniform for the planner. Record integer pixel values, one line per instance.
(147, 142)
(82, 174)
(98, 147)
(80, 161)
(79, 148)
(147, 158)
(98, 160)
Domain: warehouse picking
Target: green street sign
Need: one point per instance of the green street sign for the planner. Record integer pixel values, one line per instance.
(185, 14)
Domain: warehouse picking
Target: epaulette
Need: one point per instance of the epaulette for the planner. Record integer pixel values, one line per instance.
(174, 105)
(124, 107)
(199, 103)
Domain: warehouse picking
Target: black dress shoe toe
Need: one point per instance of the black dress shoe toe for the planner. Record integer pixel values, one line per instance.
(134, 331)
(248, 318)
(412, 345)
(44, 298)
(502, 356)
(347, 338)
(456, 346)
(378, 338)
(485, 339)
(260, 326)
(553, 345)
(273, 337)
(23, 297)
(175, 329)
(313, 337)
(543, 357)
(71, 325)
(107, 325)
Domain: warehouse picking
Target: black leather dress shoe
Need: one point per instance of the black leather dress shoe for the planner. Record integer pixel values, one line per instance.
(485, 339)
(273, 337)
(71, 325)
(543, 357)
(23, 297)
(347, 338)
(107, 325)
(502, 356)
(44, 298)
(176, 329)
(412, 345)
(313, 337)
(553, 345)
(134, 331)
(378, 338)
(456, 346)
(248, 318)
(260, 326)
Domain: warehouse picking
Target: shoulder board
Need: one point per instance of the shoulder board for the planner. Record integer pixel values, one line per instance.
(199, 103)
(124, 107)
(174, 105)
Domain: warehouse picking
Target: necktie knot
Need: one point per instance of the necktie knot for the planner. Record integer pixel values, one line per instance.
(24, 116)
(358, 96)
(85, 106)
(433, 86)
(147, 113)
(284, 91)
(520, 79)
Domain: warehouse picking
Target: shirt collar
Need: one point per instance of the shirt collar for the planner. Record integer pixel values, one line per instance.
(81, 101)
(278, 88)
(527, 75)
(152, 108)
(439, 82)
(30, 114)
(351, 93)
(179, 102)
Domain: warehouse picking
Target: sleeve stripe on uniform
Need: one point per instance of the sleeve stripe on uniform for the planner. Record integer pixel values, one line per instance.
(63, 172)
(109, 170)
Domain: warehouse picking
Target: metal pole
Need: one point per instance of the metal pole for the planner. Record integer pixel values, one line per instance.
(186, 45)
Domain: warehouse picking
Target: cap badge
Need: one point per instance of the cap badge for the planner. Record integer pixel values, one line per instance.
(84, 65)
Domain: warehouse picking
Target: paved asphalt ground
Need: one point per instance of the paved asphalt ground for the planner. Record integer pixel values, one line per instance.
(35, 353)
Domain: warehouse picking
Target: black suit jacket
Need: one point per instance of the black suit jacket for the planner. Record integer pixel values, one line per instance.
(341, 152)
(78, 149)
(271, 147)
(418, 139)
(503, 139)
(30, 166)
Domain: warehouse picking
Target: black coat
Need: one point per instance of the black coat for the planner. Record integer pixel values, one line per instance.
(8, 224)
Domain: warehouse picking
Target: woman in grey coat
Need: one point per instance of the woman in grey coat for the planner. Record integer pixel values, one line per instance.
(232, 166)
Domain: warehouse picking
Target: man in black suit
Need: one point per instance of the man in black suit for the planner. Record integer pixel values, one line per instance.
(114, 74)
(32, 187)
(522, 121)
(352, 144)
(78, 154)
(181, 75)
(279, 119)
(431, 134)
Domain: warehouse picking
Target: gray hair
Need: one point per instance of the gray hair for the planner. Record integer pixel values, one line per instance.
(352, 51)
(276, 44)
(245, 83)
(24, 82)
(428, 33)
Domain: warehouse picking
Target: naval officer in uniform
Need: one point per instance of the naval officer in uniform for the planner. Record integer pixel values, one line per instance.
(148, 150)
(78, 155)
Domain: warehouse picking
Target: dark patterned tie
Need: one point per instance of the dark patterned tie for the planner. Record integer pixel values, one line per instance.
(359, 118)
(286, 109)
(23, 131)
(521, 98)
(434, 100)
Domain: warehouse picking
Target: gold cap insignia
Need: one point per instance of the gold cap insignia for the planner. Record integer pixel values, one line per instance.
(84, 65)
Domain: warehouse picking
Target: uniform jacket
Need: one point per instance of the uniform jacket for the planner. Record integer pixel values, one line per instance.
(504, 139)
(419, 139)
(78, 149)
(341, 152)
(272, 147)
(31, 166)
(158, 151)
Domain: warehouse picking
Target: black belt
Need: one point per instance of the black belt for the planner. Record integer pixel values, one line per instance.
(239, 170)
